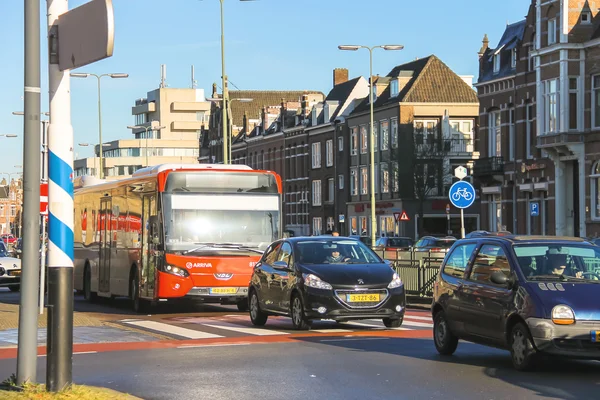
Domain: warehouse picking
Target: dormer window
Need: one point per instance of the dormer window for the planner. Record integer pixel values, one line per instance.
(374, 93)
(326, 115)
(314, 116)
(513, 58)
(394, 88)
(586, 17)
(497, 63)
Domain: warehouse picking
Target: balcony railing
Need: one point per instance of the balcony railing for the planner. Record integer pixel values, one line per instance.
(443, 147)
(489, 166)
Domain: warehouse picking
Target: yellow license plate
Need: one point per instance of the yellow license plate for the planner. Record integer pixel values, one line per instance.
(225, 290)
(14, 273)
(362, 298)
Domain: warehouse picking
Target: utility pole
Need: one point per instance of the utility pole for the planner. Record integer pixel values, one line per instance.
(28, 317)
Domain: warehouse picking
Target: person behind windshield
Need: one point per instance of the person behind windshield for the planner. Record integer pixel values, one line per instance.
(335, 257)
(558, 266)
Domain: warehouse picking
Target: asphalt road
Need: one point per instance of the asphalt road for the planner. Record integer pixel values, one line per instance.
(335, 368)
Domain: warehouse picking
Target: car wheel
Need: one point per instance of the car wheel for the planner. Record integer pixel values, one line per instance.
(257, 317)
(242, 305)
(299, 320)
(445, 341)
(392, 323)
(521, 348)
(14, 288)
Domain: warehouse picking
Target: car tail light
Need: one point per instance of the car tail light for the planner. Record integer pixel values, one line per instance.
(436, 249)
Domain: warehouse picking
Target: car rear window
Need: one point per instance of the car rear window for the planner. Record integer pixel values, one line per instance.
(397, 242)
(444, 243)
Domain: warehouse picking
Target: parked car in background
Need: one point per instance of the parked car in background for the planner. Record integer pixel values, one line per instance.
(434, 244)
(391, 247)
(335, 278)
(8, 238)
(10, 269)
(486, 233)
(531, 295)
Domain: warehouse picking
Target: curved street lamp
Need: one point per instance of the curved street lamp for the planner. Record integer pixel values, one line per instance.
(388, 47)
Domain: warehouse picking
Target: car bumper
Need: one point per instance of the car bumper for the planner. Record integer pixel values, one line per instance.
(206, 295)
(333, 307)
(572, 341)
(9, 280)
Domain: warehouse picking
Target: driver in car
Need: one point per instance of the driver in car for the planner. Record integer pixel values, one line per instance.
(335, 257)
(558, 266)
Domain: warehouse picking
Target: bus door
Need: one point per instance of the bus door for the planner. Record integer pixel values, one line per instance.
(150, 242)
(105, 245)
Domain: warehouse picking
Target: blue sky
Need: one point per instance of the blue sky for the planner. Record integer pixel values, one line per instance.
(270, 45)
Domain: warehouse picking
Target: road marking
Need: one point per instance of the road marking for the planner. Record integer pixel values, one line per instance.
(420, 324)
(348, 340)
(241, 329)
(416, 317)
(333, 330)
(172, 329)
(213, 345)
(85, 352)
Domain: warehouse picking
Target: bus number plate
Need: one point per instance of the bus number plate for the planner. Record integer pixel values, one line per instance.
(223, 290)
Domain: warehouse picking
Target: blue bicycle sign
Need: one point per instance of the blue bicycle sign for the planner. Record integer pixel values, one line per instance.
(462, 194)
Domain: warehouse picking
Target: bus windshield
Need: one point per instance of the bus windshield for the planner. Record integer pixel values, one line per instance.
(245, 220)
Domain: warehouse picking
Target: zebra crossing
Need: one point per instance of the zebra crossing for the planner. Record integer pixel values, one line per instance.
(239, 325)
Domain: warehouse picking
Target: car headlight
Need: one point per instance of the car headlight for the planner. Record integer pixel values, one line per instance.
(177, 271)
(563, 315)
(396, 281)
(315, 282)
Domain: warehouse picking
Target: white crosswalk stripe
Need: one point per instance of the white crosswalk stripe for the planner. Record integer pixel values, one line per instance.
(419, 324)
(171, 329)
(242, 329)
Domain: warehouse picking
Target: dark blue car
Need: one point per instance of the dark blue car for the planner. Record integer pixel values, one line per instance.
(530, 295)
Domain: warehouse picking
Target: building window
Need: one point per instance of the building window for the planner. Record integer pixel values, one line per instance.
(330, 190)
(529, 115)
(394, 134)
(394, 88)
(353, 226)
(354, 141)
(573, 103)
(364, 181)
(375, 137)
(316, 193)
(341, 144)
(513, 58)
(363, 140)
(595, 190)
(385, 178)
(317, 226)
(586, 17)
(330, 224)
(551, 31)
(316, 155)
(596, 101)
(395, 183)
(385, 134)
(494, 135)
(550, 103)
(496, 63)
(340, 182)
(364, 226)
(329, 153)
(511, 134)
(354, 182)
(495, 213)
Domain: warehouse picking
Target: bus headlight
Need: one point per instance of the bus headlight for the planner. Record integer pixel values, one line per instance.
(177, 271)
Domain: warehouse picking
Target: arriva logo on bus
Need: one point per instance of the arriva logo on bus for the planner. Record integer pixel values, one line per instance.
(190, 265)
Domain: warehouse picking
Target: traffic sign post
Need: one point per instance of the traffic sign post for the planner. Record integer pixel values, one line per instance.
(44, 214)
(462, 195)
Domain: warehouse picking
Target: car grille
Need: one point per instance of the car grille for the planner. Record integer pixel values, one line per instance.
(341, 296)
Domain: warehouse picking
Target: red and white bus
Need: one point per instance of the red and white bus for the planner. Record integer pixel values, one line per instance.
(175, 231)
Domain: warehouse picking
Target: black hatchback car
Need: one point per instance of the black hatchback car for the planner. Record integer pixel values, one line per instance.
(334, 278)
(530, 295)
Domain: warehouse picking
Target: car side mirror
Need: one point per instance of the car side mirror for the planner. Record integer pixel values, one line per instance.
(280, 265)
(499, 278)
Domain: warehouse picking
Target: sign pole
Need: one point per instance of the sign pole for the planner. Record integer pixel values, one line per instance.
(59, 360)
(462, 223)
(43, 267)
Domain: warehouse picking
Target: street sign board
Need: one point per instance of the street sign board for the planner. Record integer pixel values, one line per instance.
(341, 218)
(462, 194)
(404, 216)
(534, 208)
(86, 34)
(460, 172)
(44, 198)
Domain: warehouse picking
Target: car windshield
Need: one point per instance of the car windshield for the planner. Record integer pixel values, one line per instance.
(544, 262)
(335, 251)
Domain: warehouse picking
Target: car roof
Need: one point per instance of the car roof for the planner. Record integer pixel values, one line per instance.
(298, 239)
(522, 239)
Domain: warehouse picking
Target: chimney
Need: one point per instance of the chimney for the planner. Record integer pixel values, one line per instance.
(245, 123)
(214, 91)
(340, 75)
(485, 46)
(264, 118)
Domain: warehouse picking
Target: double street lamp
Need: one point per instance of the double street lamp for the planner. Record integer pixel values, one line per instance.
(371, 100)
(98, 77)
(147, 128)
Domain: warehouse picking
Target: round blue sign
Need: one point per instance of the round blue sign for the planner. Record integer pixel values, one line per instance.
(462, 194)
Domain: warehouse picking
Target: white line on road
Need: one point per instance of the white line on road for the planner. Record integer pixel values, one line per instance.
(416, 317)
(213, 345)
(347, 340)
(85, 352)
(241, 329)
(333, 330)
(420, 324)
(172, 329)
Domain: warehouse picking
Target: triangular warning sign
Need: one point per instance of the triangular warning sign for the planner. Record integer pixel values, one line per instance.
(404, 216)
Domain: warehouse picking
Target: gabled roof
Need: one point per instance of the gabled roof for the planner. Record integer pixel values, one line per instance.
(429, 81)
(512, 37)
(339, 94)
(260, 99)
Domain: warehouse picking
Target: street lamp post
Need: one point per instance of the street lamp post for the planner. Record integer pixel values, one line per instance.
(371, 100)
(242, 100)
(147, 128)
(91, 144)
(98, 77)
